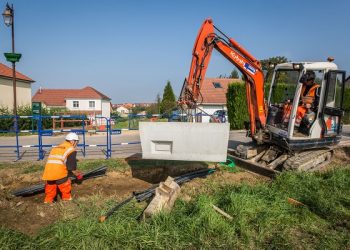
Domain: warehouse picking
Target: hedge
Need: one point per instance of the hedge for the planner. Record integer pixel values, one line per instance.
(237, 104)
(26, 123)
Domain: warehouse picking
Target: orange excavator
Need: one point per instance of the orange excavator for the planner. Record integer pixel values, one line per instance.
(279, 142)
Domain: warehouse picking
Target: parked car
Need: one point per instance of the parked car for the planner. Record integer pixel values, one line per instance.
(219, 116)
(177, 116)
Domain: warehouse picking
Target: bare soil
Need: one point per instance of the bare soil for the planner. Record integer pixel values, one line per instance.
(30, 214)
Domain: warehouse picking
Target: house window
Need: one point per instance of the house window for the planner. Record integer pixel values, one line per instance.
(75, 104)
(91, 104)
(217, 85)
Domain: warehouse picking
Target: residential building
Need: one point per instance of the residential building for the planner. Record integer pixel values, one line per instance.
(213, 96)
(123, 111)
(86, 101)
(23, 88)
(143, 104)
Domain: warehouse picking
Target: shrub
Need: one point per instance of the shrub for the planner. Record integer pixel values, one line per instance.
(237, 105)
(6, 124)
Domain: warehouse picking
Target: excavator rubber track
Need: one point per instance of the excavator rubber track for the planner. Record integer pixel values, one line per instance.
(310, 160)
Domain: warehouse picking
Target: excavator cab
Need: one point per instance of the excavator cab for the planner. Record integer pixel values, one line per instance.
(294, 121)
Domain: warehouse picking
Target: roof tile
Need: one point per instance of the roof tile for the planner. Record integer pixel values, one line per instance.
(57, 97)
(214, 95)
(7, 72)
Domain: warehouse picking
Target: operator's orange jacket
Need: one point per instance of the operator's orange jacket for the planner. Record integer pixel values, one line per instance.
(310, 95)
(55, 167)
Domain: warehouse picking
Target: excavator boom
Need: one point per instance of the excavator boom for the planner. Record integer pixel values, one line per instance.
(209, 39)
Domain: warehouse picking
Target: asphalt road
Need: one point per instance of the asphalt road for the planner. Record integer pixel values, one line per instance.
(97, 152)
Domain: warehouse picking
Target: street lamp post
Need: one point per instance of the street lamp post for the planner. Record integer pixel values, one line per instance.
(9, 19)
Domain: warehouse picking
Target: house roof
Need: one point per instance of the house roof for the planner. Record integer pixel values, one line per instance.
(7, 73)
(57, 97)
(213, 90)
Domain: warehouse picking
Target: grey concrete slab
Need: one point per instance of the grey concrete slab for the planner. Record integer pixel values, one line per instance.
(184, 141)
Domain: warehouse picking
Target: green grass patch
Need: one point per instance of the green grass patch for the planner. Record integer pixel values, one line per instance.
(83, 165)
(116, 164)
(262, 219)
(32, 168)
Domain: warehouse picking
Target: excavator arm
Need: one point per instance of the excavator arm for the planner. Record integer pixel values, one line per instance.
(207, 39)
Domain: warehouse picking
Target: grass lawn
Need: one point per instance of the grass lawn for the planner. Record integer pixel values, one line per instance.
(262, 217)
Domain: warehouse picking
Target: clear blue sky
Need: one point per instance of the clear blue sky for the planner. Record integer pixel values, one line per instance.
(129, 49)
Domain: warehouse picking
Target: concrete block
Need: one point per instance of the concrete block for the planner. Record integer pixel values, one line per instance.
(184, 141)
(164, 198)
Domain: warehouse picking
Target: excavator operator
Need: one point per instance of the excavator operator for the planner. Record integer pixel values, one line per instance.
(309, 96)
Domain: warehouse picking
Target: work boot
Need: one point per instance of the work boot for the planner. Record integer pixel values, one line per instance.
(49, 202)
(69, 199)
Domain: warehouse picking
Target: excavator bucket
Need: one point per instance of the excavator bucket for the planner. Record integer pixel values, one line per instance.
(184, 141)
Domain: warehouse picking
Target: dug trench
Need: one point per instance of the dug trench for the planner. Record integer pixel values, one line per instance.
(29, 214)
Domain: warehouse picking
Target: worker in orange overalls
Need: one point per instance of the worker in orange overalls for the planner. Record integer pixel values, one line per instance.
(309, 95)
(61, 163)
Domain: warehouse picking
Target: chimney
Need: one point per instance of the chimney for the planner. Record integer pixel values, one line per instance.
(40, 89)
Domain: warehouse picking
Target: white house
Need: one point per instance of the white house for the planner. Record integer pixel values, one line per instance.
(123, 111)
(213, 96)
(86, 101)
(23, 88)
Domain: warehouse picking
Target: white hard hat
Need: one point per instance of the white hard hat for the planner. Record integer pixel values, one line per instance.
(72, 137)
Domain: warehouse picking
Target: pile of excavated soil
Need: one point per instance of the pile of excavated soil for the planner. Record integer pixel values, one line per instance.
(342, 154)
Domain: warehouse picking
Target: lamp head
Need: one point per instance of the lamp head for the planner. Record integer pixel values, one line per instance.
(8, 15)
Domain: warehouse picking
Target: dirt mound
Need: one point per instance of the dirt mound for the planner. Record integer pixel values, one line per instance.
(342, 154)
(220, 178)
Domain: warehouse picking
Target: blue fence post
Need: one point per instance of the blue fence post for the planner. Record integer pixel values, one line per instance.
(110, 137)
(40, 138)
(16, 131)
(84, 146)
(129, 115)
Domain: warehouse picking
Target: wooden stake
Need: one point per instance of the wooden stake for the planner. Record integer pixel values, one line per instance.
(295, 202)
(222, 212)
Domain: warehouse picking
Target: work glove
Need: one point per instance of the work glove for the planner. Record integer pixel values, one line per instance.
(79, 177)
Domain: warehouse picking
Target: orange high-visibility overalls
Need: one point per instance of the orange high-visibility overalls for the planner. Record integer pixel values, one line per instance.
(56, 170)
(307, 98)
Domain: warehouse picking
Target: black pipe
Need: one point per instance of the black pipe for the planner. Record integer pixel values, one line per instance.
(148, 193)
(115, 208)
(39, 188)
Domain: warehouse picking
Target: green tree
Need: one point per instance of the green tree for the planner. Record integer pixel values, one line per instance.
(137, 109)
(267, 63)
(158, 102)
(154, 108)
(168, 102)
(234, 74)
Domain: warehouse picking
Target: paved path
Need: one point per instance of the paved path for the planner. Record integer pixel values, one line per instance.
(118, 151)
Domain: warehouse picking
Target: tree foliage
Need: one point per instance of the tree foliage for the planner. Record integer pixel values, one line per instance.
(237, 105)
(265, 64)
(154, 108)
(168, 102)
(7, 124)
(234, 74)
